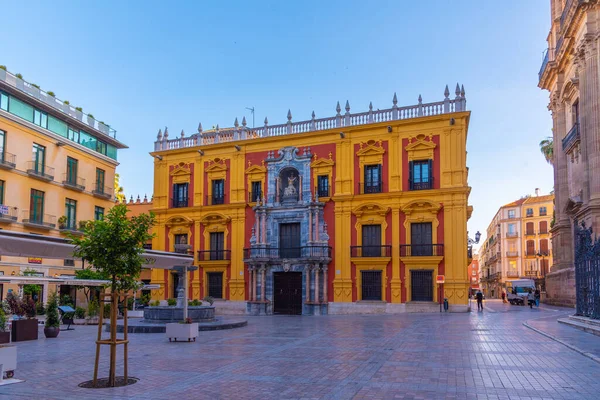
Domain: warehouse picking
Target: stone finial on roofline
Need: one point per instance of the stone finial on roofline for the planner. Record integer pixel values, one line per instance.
(200, 127)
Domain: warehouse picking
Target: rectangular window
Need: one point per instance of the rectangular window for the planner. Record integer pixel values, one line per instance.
(529, 212)
(181, 243)
(373, 182)
(543, 211)
(421, 239)
(180, 195)
(217, 243)
(3, 101)
(57, 126)
(215, 284)
(36, 206)
(420, 175)
(71, 214)
(511, 213)
(371, 241)
(2, 183)
(512, 229)
(72, 171)
(218, 191)
(98, 213)
(289, 240)
(20, 109)
(40, 118)
(101, 147)
(2, 145)
(371, 285)
(323, 185)
(99, 180)
(73, 134)
(256, 192)
(39, 158)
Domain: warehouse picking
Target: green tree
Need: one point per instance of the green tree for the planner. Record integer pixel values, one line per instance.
(547, 149)
(89, 273)
(114, 246)
(52, 317)
(119, 191)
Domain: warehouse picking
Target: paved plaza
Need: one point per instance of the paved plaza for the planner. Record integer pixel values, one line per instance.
(485, 355)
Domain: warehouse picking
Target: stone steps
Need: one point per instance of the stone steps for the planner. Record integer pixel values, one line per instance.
(582, 323)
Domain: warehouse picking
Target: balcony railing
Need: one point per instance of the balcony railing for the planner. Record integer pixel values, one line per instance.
(45, 221)
(543, 232)
(544, 64)
(529, 233)
(512, 254)
(182, 248)
(40, 171)
(291, 252)
(8, 214)
(418, 250)
(531, 253)
(421, 185)
(7, 160)
(512, 234)
(371, 251)
(254, 197)
(512, 274)
(215, 200)
(242, 132)
(102, 191)
(531, 274)
(572, 138)
(568, 11)
(73, 182)
(179, 203)
(371, 187)
(322, 192)
(214, 255)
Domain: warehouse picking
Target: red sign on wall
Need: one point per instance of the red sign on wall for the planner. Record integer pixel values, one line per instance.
(440, 278)
(34, 260)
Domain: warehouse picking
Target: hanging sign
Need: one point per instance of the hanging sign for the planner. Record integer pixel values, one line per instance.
(440, 278)
(34, 260)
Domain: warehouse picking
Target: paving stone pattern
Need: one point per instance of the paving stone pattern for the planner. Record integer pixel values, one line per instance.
(485, 355)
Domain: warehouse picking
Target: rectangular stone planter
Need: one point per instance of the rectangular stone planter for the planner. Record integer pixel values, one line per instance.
(176, 331)
(4, 337)
(92, 320)
(24, 329)
(8, 360)
(135, 314)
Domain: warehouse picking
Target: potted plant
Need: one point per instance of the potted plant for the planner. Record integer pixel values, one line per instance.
(79, 318)
(2, 72)
(182, 330)
(4, 334)
(82, 225)
(62, 222)
(102, 127)
(52, 328)
(35, 90)
(20, 82)
(171, 302)
(92, 313)
(79, 113)
(66, 106)
(22, 329)
(90, 119)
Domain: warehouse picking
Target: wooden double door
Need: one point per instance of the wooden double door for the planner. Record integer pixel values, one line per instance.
(287, 293)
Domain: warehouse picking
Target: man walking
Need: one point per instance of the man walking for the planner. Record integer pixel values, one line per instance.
(504, 296)
(479, 297)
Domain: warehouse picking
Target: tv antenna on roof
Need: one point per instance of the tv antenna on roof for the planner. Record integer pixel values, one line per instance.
(252, 111)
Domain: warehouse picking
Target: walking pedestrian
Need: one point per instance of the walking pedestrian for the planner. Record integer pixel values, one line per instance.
(537, 297)
(504, 296)
(479, 297)
(530, 298)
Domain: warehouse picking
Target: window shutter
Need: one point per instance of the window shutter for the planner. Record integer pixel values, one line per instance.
(430, 175)
(410, 175)
(175, 194)
(380, 177)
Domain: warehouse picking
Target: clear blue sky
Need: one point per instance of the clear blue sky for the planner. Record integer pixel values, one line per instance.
(141, 66)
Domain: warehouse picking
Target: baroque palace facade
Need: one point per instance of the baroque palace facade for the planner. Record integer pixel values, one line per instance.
(57, 168)
(351, 213)
(570, 73)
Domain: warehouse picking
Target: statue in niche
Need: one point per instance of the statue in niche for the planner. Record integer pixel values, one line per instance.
(290, 190)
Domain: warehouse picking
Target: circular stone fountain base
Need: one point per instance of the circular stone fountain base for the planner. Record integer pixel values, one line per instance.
(175, 314)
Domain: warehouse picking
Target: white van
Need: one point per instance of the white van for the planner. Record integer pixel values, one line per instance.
(517, 290)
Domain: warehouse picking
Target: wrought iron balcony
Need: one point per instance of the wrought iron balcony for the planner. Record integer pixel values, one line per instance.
(531, 274)
(512, 254)
(420, 250)
(102, 191)
(305, 252)
(214, 255)
(7, 160)
(531, 253)
(40, 171)
(572, 138)
(512, 274)
(323, 192)
(543, 232)
(215, 200)
(182, 248)
(179, 203)
(44, 221)
(421, 185)
(73, 182)
(530, 233)
(371, 187)
(8, 214)
(512, 234)
(544, 64)
(371, 251)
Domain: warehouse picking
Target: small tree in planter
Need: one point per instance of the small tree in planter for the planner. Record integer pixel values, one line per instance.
(114, 246)
(4, 334)
(22, 329)
(52, 328)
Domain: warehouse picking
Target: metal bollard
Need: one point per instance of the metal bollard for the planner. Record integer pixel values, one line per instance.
(446, 305)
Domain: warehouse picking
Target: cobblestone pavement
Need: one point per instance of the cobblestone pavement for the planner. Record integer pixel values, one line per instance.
(482, 355)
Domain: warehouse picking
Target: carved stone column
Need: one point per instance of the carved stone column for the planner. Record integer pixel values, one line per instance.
(250, 289)
(325, 283)
(591, 114)
(254, 284)
(308, 283)
(317, 224)
(310, 225)
(317, 297)
(263, 270)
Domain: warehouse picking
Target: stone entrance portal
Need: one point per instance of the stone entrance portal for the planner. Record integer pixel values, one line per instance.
(287, 293)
